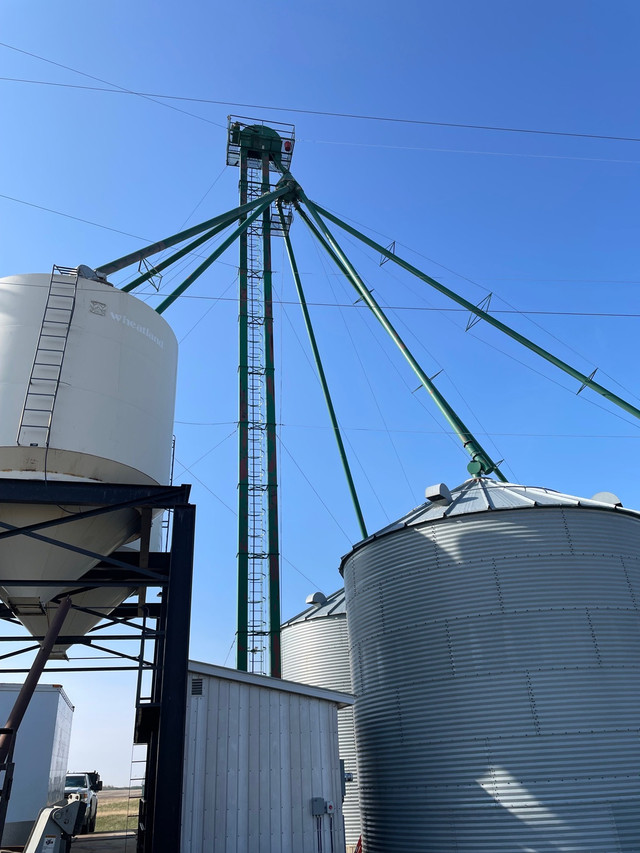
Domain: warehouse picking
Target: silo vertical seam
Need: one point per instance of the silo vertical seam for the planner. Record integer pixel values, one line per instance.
(594, 637)
(450, 647)
(497, 580)
(628, 580)
(381, 606)
(567, 531)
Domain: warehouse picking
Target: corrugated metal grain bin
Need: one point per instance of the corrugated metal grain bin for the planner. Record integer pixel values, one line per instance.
(315, 650)
(262, 772)
(495, 639)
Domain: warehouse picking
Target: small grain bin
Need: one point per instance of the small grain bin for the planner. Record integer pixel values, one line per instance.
(495, 640)
(315, 650)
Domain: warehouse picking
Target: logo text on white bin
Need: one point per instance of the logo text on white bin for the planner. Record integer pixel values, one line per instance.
(144, 330)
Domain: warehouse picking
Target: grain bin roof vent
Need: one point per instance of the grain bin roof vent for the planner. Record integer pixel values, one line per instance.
(607, 497)
(316, 598)
(439, 492)
(333, 605)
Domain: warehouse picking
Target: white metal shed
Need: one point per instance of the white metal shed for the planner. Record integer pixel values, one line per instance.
(262, 770)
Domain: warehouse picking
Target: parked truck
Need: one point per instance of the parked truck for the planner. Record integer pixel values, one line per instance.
(40, 757)
(85, 785)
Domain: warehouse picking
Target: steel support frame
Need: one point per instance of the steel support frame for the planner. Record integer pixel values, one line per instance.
(163, 712)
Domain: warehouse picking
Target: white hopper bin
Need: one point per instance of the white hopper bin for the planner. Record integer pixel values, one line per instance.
(112, 421)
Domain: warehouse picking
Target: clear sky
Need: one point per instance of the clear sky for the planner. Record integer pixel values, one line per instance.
(547, 223)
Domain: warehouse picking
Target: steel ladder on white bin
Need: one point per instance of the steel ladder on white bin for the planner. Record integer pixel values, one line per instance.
(37, 412)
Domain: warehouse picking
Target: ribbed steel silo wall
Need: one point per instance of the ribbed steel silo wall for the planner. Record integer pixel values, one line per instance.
(496, 663)
(316, 651)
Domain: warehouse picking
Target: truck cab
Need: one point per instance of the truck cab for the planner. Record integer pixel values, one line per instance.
(85, 785)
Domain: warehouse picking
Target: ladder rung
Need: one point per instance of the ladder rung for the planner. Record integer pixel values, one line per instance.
(60, 303)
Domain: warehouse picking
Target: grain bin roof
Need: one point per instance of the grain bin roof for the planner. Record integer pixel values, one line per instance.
(481, 494)
(334, 605)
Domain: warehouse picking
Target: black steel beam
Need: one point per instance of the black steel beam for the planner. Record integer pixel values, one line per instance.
(125, 612)
(84, 639)
(158, 560)
(91, 494)
(171, 573)
(74, 585)
(146, 666)
(167, 812)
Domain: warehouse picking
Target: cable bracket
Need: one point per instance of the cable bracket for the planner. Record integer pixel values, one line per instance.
(390, 248)
(483, 306)
(584, 384)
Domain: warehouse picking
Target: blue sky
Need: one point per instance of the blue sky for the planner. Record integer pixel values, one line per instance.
(547, 223)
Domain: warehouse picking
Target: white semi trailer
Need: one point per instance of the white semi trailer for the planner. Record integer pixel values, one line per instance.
(40, 756)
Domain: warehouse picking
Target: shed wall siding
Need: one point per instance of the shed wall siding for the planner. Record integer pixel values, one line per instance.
(316, 651)
(255, 757)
